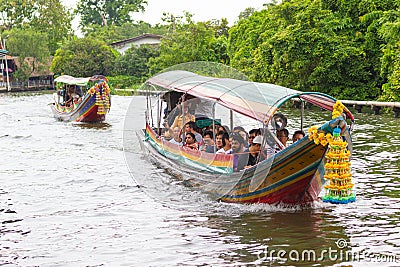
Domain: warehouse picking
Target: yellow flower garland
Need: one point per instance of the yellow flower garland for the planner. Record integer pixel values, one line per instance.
(103, 98)
(337, 167)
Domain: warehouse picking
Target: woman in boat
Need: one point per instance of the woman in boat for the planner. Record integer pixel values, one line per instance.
(245, 136)
(190, 141)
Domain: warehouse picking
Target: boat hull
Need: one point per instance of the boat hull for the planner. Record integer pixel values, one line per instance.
(87, 111)
(293, 176)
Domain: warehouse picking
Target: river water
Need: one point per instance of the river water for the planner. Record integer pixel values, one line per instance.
(67, 198)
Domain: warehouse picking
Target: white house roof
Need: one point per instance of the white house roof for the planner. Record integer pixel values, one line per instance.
(135, 39)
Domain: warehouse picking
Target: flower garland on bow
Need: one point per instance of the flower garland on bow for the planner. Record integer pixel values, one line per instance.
(102, 91)
(337, 167)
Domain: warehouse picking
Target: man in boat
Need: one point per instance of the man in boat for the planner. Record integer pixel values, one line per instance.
(240, 155)
(256, 155)
(283, 137)
(297, 135)
(252, 134)
(177, 139)
(74, 96)
(226, 144)
(179, 120)
(209, 145)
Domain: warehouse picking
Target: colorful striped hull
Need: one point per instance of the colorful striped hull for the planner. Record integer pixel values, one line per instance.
(293, 176)
(86, 111)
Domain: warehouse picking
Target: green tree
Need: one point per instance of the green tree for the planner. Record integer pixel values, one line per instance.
(15, 13)
(312, 46)
(52, 18)
(108, 12)
(389, 30)
(31, 49)
(83, 57)
(188, 41)
(135, 61)
(46, 16)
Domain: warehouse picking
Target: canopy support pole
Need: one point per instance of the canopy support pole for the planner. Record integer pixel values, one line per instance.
(8, 77)
(302, 115)
(213, 124)
(231, 118)
(158, 115)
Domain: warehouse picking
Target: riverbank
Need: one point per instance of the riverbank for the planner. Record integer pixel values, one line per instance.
(373, 107)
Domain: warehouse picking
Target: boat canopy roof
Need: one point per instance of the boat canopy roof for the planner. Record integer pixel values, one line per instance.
(67, 79)
(256, 100)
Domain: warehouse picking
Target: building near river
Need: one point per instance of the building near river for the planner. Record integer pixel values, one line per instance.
(147, 38)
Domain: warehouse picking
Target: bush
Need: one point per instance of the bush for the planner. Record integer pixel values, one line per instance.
(122, 82)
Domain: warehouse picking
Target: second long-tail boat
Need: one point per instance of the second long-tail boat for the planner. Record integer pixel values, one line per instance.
(81, 99)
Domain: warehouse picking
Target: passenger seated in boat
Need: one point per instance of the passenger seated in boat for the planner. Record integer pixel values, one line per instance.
(190, 141)
(190, 127)
(69, 99)
(283, 137)
(178, 122)
(73, 96)
(209, 145)
(226, 144)
(218, 140)
(240, 154)
(176, 138)
(245, 136)
(297, 135)
(254, 150)
(237, 129)
(225, 129)
(252, 134)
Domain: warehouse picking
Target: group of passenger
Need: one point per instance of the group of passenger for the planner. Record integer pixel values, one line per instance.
(247, 147)
(71, 95)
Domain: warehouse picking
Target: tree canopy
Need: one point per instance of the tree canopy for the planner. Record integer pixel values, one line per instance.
(313, 46)
(188, 41)
(83, 57)
(110, 12)
(31, 49)
(49, 17)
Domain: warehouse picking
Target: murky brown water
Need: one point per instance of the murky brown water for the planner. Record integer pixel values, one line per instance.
(68, 199)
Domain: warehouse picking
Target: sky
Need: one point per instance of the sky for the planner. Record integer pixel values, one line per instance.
(202, 10)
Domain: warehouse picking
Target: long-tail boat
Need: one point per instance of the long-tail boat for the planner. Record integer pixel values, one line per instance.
(81, 99)
(293, 175)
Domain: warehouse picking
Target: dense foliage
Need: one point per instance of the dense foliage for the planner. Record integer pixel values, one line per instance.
(312, 46)
(188, 41)
(348, 49)
(106, 13)
(135, 61)
(83, 57)
(32, 52)
(49, 17)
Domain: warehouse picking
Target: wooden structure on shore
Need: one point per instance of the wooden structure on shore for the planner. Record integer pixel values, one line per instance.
(374, 105)
(31, 85)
